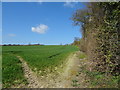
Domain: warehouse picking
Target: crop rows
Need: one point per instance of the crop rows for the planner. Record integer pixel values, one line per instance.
(12, 73)
(38, 58)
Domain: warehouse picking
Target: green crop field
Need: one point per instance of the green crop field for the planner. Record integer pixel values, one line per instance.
(12, 73)
(38, 58)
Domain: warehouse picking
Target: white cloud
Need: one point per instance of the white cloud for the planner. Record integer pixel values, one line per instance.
(41, 29)
(12, 35)
(70, 4)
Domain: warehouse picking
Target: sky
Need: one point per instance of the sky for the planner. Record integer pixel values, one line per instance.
(46, 23)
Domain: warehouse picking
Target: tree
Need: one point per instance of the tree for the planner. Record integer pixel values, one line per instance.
(100, 34)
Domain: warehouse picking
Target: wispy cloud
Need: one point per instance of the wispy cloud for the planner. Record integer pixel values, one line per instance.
(12, 35)
(70, 4)
(40, 1)
(41, 29)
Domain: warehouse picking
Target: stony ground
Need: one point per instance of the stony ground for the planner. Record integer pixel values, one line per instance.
(65, 79)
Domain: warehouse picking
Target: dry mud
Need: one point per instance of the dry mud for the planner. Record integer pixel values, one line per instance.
(63, 80)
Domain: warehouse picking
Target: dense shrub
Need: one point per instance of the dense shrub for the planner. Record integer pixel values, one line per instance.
(101, 30)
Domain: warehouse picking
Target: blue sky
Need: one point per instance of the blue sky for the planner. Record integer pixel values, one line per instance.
(46, 23)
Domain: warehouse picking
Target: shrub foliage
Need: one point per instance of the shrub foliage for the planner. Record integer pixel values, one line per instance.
(100, 23)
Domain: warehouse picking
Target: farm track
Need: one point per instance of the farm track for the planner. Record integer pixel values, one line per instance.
(29, 74)
(70, 71)
(64, 80)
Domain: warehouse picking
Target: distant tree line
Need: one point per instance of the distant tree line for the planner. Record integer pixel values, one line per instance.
(100, 40)
(21, 44)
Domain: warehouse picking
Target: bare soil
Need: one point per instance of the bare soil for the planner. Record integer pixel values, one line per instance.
(29, 74)
(63, 80)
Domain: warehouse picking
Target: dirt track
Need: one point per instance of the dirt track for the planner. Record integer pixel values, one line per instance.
(29, 74)
(63, 80)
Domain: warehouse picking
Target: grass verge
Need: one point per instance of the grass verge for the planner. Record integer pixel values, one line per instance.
(93, 79)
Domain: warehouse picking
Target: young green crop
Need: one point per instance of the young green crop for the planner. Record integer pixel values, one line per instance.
(38, 58)
(12, 73)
